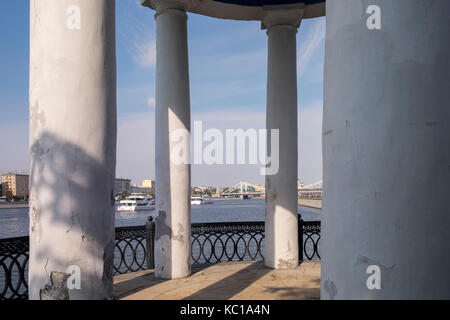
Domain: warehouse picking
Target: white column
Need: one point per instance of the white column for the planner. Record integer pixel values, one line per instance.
(281, 241)
(386, 151)
(73, 148)
(173, 178)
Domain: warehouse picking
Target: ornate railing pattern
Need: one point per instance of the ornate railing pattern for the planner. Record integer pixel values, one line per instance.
(129, 254)
(211, 243)
(14, 268)
(225, 242)
(310, 234)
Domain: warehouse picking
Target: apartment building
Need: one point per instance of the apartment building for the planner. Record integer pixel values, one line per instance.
(17, 184)
(122, 185)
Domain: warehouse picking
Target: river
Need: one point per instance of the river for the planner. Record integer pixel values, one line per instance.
(14, 222)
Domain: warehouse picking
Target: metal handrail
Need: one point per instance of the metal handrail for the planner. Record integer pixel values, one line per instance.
(211, 243)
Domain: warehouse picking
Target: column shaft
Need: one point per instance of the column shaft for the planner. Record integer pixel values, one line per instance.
(386, 152)
(281, 241)
(73, 148)
(173, 179)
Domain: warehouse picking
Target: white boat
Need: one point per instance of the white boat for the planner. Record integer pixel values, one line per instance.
(201, 200)
(137, 202)
(3, 200)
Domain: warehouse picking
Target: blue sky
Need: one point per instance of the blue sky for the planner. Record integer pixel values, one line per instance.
(228, 67)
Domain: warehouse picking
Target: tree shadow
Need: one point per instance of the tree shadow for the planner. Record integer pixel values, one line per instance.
(71, 218)
(128, 284)
(233, 284)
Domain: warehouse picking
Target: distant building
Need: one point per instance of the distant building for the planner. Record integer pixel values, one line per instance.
(138, 189)
(17, 184)
(204, 190)
(122, 185)
(148, 184)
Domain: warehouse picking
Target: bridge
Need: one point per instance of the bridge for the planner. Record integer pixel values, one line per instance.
(247, 190)
(244, 190)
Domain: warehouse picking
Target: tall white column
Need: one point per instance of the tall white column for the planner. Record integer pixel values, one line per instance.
(386, 151)
(73, 148)
(173, 176)
(281, 240)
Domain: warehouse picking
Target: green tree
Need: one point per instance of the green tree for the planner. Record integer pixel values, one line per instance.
(9, 195)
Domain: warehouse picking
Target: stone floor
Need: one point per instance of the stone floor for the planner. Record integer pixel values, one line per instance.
(225, 281)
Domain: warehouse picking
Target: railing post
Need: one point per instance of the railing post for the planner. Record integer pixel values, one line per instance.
(300, 238)
(150, 243)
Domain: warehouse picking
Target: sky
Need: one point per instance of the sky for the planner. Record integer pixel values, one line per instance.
(228, 80)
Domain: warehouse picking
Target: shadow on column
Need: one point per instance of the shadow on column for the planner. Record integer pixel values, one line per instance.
(71, 220)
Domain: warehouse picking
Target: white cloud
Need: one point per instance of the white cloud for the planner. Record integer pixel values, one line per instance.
(136, 146)
(145, 54)
(136, 150)
(309, 44)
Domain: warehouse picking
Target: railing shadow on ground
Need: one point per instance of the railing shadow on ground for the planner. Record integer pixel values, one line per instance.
(212, 243)
(231, 285)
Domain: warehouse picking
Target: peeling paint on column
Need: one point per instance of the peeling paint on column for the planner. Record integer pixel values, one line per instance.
(57, 289)
(72, 149)
(37, 117)
(179, 237)
(35, 222)
(161, 228)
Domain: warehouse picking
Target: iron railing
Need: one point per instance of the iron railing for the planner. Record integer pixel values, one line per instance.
(211, 243)
(225, 242)
(309, 236)
(14, 254)
(129, 253)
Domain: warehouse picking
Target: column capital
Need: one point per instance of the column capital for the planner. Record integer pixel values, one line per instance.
(291, 15)
(162, 6)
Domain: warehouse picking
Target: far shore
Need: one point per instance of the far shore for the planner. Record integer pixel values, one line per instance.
(312, 203)
(13, 205)
(316, 204)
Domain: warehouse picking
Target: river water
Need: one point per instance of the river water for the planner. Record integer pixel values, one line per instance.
(14, 222)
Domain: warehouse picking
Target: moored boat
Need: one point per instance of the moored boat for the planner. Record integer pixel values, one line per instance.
(199, 200)
(137, 202)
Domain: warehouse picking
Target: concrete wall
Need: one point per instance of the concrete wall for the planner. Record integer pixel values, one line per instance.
(73, 147)
(386, 146)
